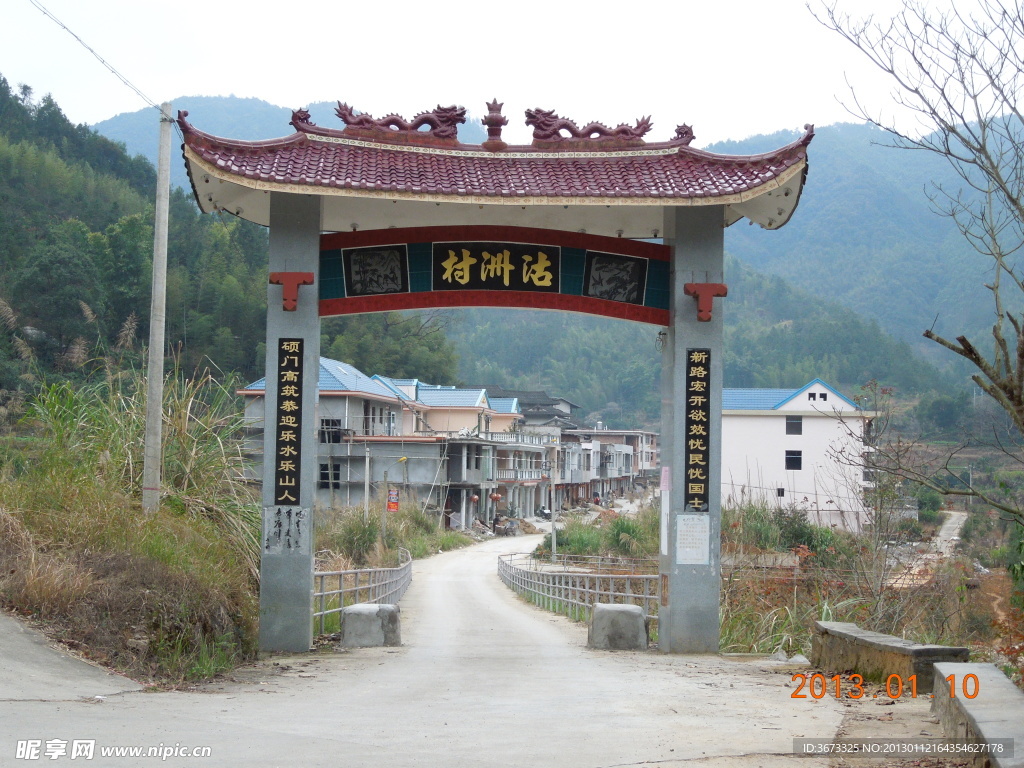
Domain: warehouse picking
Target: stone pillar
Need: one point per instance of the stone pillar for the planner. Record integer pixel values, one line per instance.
(290, 461)
(688, 620)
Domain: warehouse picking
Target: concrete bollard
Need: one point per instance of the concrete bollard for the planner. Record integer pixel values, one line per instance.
(618, 628)
(368, 625)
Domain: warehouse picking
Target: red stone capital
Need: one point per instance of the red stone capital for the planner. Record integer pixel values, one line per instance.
(705, 293)
(290, 282)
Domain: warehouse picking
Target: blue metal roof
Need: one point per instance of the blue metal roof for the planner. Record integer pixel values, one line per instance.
(394, 384)
(754, 399)
(452, 397)
(771, 399)
(505, 404)
(341, 377)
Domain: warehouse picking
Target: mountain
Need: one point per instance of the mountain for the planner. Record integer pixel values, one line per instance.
(815, 298)
(775, 336)
(865, 236)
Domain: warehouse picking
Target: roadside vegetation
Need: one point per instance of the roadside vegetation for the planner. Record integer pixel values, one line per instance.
(168, 596)
(781, 573)
(346, 539)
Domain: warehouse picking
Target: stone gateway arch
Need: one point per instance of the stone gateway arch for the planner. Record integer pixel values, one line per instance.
(394, 214)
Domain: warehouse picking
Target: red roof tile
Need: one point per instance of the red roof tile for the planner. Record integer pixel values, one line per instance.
(332, 160)
(371, 177)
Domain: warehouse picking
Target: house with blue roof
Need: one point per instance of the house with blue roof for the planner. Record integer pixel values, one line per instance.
(797, 448)
(451, 448)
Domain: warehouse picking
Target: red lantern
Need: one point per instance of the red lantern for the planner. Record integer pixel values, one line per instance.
(495, 497)
(474, 498)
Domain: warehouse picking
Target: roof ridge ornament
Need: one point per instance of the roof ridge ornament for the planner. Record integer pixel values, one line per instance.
(684, 134)
(301, 117)
(548, 126)
(442, 123)
(494, 121)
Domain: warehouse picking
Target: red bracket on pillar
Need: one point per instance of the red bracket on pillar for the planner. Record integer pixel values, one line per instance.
(291, 282)
(704, 293)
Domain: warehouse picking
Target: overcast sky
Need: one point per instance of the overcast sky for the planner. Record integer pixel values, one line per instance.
(729, 69)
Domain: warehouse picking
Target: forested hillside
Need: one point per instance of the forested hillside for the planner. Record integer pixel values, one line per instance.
(76, 244)
(775, 336)
(865, 236)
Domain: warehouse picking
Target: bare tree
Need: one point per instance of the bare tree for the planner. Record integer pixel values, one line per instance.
(961, 73)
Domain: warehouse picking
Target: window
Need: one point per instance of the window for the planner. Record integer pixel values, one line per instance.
(330, 430)
(794, 425)
(794, 460)
(812, 395)
(780, 492)
(824, 395)
(330, 475)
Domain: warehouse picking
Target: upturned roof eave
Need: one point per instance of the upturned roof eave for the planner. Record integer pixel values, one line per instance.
(248, 188)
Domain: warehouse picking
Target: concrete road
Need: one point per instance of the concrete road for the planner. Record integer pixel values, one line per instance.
(949, 534)
(482, 679)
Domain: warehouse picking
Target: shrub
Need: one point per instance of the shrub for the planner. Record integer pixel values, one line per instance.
(625, 536)
(794, 528)
(909, 529)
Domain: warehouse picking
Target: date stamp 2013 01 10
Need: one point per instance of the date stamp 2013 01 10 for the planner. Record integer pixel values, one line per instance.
(817, 686)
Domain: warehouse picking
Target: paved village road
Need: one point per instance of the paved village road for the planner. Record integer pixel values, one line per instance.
(482, 679)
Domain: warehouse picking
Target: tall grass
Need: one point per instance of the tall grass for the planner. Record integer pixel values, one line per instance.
(624, 535)
(165, 594)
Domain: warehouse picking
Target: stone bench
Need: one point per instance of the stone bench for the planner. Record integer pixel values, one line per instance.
(617, 628)
(996, 712)
(839, 646)
(368, 625)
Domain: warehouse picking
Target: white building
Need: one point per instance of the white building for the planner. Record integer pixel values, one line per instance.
(795, 448)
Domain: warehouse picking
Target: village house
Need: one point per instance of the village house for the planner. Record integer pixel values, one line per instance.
(795, 448)
(476, 452)
(460, 450)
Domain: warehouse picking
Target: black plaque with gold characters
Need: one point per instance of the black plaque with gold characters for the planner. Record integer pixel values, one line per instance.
(288, 418)
(698, 428)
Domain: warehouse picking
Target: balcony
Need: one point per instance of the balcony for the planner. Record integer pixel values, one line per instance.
(519, 475)
(519, 437)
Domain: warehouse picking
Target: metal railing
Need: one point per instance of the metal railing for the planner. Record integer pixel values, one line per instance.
(520, 474)
(571, 586)
(367, 585)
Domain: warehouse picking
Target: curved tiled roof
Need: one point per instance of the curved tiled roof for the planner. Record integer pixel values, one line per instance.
(346, 164)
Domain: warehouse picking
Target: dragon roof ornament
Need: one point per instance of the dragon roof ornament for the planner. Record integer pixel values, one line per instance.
(548, 126)
(441, 123)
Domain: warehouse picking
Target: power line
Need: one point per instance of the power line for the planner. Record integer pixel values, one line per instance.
(101, 60)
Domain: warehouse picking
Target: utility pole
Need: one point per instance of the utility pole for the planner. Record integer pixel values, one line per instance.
(366, 484)
(153, 454)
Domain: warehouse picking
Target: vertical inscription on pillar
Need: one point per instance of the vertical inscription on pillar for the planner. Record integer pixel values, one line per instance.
(697, 449)
(693, 529)
(288, 523)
